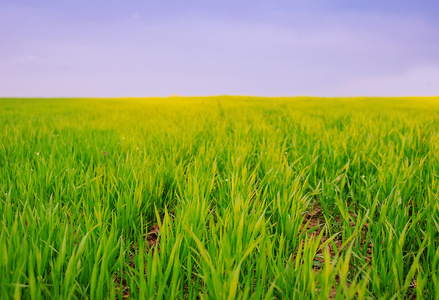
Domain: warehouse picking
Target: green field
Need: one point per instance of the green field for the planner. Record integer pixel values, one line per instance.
(219, 198)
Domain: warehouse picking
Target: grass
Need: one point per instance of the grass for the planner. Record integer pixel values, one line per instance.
(287, 198)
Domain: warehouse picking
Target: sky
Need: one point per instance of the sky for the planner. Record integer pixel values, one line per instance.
(140, 48)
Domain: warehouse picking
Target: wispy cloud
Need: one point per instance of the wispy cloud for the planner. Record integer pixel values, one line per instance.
(417, 81)
(25, 59)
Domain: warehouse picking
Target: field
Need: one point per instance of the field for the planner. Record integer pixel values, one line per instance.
(219, 198)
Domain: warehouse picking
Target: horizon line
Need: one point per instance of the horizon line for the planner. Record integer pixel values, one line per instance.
(214, 96)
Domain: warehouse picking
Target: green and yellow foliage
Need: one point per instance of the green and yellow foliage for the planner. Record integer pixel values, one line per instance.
(252, 198)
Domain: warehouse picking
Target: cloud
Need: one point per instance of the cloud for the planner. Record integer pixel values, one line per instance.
(22, 60)
(417, 81)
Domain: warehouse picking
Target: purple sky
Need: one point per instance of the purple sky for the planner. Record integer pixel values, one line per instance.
(116, 48)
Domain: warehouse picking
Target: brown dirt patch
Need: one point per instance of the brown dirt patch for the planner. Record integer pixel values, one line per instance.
(315, 218)
(151, 239)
